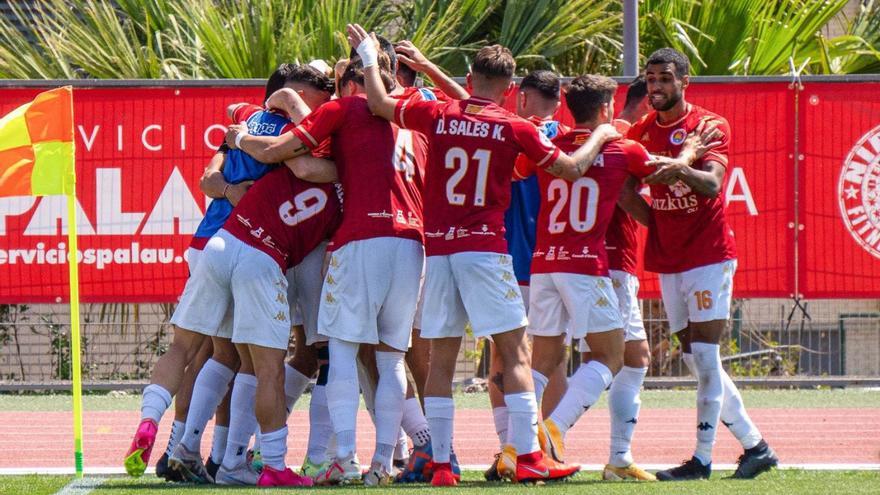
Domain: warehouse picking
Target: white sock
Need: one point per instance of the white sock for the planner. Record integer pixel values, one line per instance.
(414, 422)
(710, 395)
(177, 428)
(688, 360)
(218, 443)
(501, 418)
(440, 412)
(540, 384)
(274, 449)
(295, 384)
(735, 417)
(584, 389)
(402, 446)
(155, 402)
(523, 426)
(624, 404)
(242, 420)
(320, 426)
(343, 395)
(390, 396)
(211, 386)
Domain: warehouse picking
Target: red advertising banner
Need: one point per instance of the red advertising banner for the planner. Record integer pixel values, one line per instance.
(141, 152)
(839, 246)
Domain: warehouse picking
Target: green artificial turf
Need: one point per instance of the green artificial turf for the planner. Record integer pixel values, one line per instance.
(784, 482)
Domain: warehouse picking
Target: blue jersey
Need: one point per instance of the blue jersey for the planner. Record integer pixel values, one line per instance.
(521, 216)
(239, 166)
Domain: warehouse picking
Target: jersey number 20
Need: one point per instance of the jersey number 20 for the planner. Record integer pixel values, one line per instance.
(581, 218)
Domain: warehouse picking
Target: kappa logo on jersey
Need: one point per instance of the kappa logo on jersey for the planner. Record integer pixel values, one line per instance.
(678, 136)
(858, 192)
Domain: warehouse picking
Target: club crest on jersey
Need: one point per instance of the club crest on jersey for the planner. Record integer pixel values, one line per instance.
(678, 136)
(858, 192)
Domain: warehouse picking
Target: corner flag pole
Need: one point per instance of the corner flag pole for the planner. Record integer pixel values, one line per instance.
(75, 350)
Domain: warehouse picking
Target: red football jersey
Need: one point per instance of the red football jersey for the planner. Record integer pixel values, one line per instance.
(621, 239)
(575, 215)
(473, 146)
(380, 168)
(687, 230)
(285, 217)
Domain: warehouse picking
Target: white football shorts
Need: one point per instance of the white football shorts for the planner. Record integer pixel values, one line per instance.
(626, 287)
(476, 287)
(371, 291)
(232, 271)
(699, 294)
(573, 303)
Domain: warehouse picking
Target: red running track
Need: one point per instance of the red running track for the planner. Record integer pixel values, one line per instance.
(663, 436)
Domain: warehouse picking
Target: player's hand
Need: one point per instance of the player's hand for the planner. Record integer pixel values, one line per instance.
(232, 133)
(705, 137)
(411, 56)
(669, 170)
(235, 192)
(357, 36)
(606, 133)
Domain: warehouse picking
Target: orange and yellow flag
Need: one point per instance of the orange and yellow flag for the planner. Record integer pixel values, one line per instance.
(36, 146)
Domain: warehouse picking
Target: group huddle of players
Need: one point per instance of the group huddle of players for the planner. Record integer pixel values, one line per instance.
(457, 213)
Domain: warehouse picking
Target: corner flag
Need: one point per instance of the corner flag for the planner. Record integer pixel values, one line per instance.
(37, 159)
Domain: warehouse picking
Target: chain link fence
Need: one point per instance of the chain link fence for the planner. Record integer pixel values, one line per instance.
(767, 338)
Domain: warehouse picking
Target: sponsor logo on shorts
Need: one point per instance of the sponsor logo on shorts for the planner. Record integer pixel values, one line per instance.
(616, 283)
(602, 302)
(506, 276)
(678, 136)
(281, 298)
(512, 294)
(334, 262)
(601, 283)
(329, 298)
(330, 279)
(281, 316)
(858, 192)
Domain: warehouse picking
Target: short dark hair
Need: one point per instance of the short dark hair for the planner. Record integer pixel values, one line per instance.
(494, 62)
(407, 75)
(386, 47)
(586, 94)
(544, 82)
(354, 71)
(671, 56)
(298, 73)
(636, 91)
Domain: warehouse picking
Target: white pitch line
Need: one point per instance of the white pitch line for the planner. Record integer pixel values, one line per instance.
(82, 486)
(105, 471)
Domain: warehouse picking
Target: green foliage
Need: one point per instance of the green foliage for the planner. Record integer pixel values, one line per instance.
(192, 39)
(757, 37)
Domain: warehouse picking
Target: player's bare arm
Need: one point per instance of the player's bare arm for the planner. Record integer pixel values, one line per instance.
(572, 167)
(290, 102)
(705, 137)
(212, 182)
(632, 202)
(311, 169)
(266, 149)
(367, 47)
(413, 57)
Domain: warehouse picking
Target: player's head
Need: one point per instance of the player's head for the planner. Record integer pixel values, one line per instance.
(386, 47)
(538, 94)
(636, 104)
(278, 78)
(666, 77)
(314, 86)
(351, 82)
(590, 98)
(491, 72)
(406, 76)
